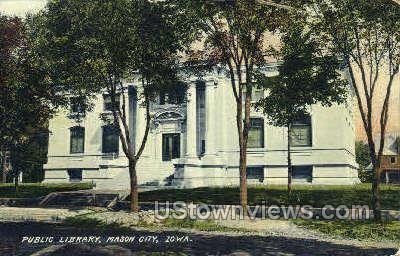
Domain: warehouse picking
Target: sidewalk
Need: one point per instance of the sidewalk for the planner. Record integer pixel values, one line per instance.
(12, 214)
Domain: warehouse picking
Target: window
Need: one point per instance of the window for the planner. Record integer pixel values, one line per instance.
(255, 173)
(302, 174)
(390, 177)
(108, 103)
(201, 117)
(77, 104)
(110, 139)
(393, 160)
(171, 98)
(203, 147)
(171, 146)
(75, 175)
(256, 134)
(256, 94)
(77, 140)
(301, 135)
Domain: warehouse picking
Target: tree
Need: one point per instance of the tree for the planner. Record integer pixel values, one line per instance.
(366, 35)
(307, 76)
(363, 159)
(26, 100)
(92, 46)
(235, 38)
(27, 158)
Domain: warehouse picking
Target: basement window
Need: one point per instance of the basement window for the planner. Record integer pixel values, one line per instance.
(75, 175)
(302, 174)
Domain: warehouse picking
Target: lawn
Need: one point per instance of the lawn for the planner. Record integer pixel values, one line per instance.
(32, 190)
(90, 221)
(316, 196)
(361, 230)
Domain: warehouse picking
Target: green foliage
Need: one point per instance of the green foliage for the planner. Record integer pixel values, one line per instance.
(307, 75)
(362, 154)
(364, 160)
(316, 196)
(233, 32)
(29, 157)
(366, 36)
(27, 190)
(26, 100)
(91, 46)
(86, 221)
(234, 36)
(360, 230)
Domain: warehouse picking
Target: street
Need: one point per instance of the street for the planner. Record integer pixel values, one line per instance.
(166, 243)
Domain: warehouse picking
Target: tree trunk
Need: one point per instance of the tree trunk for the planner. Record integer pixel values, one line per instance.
(134, 186)
(16, 180)
(243, 177)
(376, 197)
(289, 159)
(3, 176)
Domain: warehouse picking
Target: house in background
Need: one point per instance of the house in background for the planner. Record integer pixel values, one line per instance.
(390, 166)
(194, 142)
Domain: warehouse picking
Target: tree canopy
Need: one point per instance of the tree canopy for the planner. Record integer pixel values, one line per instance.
(366, 35)
(307, 75)
(95, 47)
(26, 102)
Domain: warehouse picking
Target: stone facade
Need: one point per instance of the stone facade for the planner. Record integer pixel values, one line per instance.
(196, 143)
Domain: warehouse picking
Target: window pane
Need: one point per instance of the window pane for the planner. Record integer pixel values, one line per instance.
(301, 135)
(108, 103)
(176, 146)
(165, 148)
(255, 173)
(171, 148)
(110, 139)
(302, 173)
(256, 133)
(75, 174)
(77, 140)
(173, 98)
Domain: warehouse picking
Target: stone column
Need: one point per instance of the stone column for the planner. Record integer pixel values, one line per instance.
(191, 122)
(210, 119)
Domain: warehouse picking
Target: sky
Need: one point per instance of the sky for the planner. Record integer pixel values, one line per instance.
(21, 7)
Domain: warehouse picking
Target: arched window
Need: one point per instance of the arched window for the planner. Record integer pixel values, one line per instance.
(77, 140)
(110, 139)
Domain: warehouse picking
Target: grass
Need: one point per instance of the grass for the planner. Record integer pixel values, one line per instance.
(201, 225)
(33, 190)
(87, 221)
(360, 230)
(317, 195)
